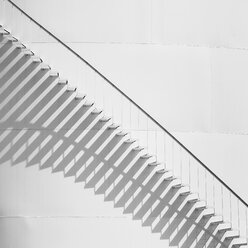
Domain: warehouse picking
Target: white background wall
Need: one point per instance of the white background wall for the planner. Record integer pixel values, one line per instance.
(188, 58)
(184, 52)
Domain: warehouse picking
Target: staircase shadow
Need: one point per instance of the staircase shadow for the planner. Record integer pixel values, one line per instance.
(45, 124)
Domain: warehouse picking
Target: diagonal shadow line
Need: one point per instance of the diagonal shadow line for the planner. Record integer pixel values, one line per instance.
(208, 232)
(101, 172)
(40, 139)
(11, 75)
(88, 152)
(186, 226)
(29, 100)
(129, 177)
(152, 182)
(13, 60)
(45, 110)
(147, 188)
(196, 231)
(214, 242)
(11, 71)
(153, 197)
(28, 76)
(118, 171)
(144, 189)
(171, 209)
(206, 236)
(176, 222)
(199, 226)
(165, 202)
(29, 128)
(108, 180)
(115, 142)
(4, 48)
(24, 124)
(15, 93)
(57, 137)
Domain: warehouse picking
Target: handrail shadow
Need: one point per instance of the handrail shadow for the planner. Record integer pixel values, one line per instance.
(43, 123)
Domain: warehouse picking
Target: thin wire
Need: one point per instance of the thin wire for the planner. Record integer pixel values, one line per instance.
(109, 82)
(156, 142)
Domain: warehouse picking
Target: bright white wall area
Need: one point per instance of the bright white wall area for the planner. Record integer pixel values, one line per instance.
(185, 88)
(190, 55)
(187, 58)
(192, 22)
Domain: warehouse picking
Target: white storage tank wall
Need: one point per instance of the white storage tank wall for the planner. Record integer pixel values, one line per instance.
(189, 59)
(191, 55)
